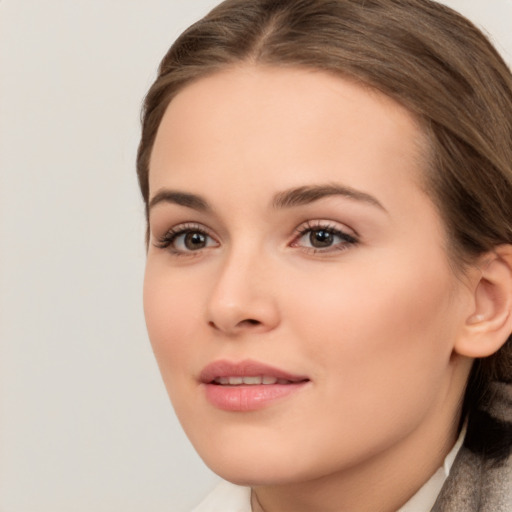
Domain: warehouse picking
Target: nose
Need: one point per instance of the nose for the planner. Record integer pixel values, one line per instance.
(244, 296)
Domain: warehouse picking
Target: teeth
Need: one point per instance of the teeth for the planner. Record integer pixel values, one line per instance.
(249, 381)
(252, 380)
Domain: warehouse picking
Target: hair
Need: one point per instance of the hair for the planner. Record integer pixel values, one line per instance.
(420, 53)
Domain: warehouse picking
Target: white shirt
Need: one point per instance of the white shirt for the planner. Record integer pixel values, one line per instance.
(227, 497)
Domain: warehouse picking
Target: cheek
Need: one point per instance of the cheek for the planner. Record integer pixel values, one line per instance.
(376, 328)
(172, 315)
(379, 354)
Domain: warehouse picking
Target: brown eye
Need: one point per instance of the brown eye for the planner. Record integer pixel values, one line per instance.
(321, 238)
(194, 241)
(183, 240)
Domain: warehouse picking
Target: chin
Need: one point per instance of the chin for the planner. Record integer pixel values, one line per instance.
(256, 473)
(251, 461)
(248, 467)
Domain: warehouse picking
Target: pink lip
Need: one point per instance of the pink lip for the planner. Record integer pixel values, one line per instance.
(247, 368)
(245, 397)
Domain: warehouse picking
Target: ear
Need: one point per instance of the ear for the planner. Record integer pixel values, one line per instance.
(489, 325)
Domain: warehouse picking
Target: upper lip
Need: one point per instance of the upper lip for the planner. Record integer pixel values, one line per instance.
(246, 368)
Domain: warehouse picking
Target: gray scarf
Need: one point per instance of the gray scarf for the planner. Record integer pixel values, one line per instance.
(480, 480)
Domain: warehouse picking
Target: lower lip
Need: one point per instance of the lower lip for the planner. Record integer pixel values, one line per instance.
(249, 398)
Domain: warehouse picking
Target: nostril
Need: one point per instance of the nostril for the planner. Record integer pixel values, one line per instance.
(249, 322)
(234, 327)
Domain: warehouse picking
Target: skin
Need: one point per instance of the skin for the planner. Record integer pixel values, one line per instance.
(373, 323)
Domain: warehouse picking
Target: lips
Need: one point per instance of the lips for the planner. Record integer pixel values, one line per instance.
(249, 381)
(247, 385)
(226, 369)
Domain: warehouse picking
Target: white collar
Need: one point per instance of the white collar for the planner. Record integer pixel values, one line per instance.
(425, 498)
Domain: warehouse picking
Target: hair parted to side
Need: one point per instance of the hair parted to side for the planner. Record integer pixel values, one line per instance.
(420, 53)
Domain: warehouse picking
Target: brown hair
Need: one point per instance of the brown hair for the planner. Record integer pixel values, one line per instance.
(418, 52)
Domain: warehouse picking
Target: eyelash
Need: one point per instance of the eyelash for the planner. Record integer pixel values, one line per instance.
(318, 226)
(168, 240)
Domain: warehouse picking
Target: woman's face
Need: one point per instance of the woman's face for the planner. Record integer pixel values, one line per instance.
(298, 294)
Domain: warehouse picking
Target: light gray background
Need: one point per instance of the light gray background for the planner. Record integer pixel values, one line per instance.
(85, 424)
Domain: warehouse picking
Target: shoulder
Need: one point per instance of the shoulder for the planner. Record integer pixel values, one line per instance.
(226, 497)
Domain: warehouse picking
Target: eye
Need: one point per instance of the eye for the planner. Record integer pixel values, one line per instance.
(322, 237)
(185, 239)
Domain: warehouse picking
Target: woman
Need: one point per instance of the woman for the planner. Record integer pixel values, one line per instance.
(328, 288)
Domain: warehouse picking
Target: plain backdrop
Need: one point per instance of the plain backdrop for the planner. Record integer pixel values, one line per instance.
(85, 423)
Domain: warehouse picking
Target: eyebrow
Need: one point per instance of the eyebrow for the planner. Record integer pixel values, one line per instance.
(180, 198)
(293, 197)
(309, 194)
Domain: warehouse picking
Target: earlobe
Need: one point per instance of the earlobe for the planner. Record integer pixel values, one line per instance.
(489, 324)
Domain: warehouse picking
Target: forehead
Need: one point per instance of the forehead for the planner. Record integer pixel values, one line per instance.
(251, 119)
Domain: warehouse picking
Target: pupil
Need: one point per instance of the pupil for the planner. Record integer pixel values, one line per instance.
(195, 241)
(320, 238)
